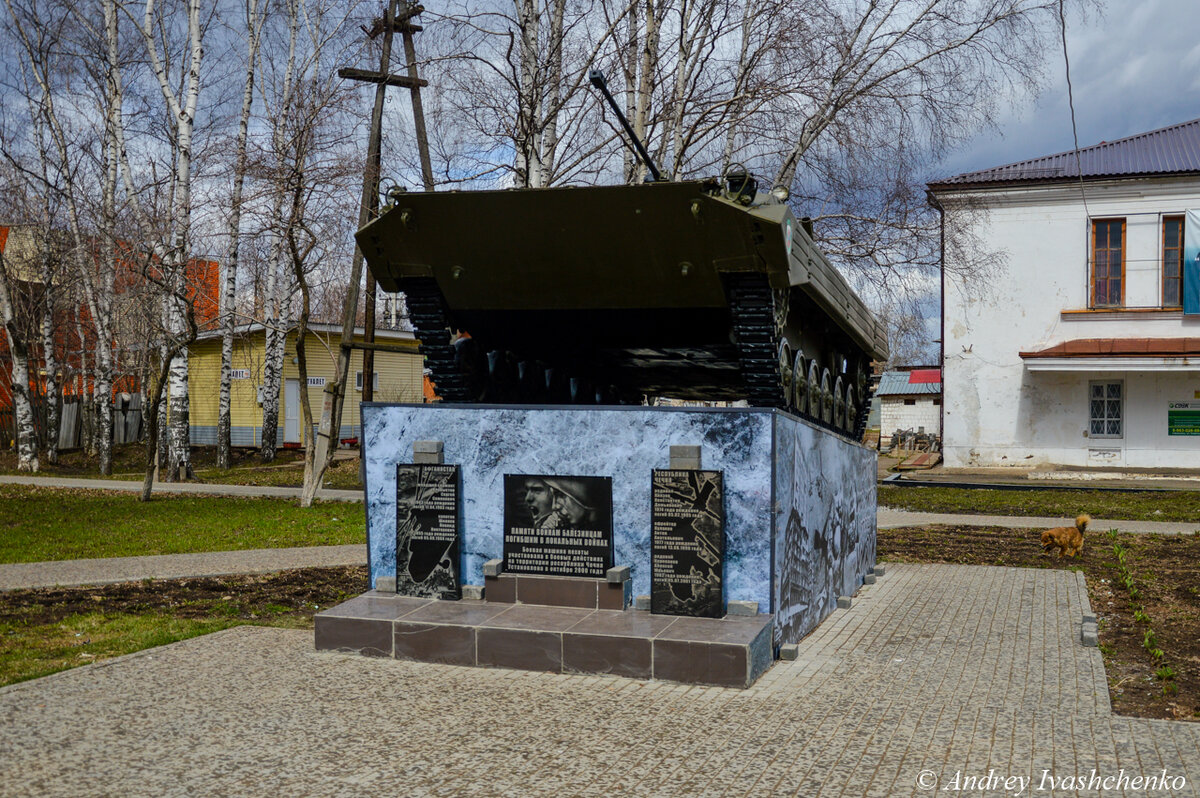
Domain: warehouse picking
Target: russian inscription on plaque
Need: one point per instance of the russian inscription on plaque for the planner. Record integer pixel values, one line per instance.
(427, 547)
(558, 526)
(687, 543)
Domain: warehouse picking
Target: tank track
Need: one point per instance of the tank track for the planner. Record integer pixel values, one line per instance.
(427, 311)
(757, 335)
(751, 306)
(755, 330)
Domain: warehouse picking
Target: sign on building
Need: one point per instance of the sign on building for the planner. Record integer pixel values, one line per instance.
(1183, 418)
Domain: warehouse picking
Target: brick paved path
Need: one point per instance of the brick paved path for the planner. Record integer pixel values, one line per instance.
(938, 668)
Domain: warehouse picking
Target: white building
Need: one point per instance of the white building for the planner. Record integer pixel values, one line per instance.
(1066, 342)
(910, 401)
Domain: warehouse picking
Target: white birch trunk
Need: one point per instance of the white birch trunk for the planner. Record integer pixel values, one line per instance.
(631, 72)
(51, 364)
(272, 382)
(645, 84)
(87, 408)
(276, 335)
(180, 324)
(83, 270)
(528, 149)
(229, 317)
(27, 444)
(550, 111)
(160, 443)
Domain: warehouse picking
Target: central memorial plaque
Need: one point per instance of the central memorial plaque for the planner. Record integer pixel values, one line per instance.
(558, 526)
(427, 513)
(687, 543)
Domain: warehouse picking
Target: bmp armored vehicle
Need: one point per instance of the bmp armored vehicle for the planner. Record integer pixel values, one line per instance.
(703, 290)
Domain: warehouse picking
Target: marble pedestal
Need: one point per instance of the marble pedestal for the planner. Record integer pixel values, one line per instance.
(799, 500)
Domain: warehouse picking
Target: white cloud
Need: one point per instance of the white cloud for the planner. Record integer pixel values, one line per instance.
(1132, 71)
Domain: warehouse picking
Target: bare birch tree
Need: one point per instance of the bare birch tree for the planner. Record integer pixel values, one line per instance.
(18, 346)
(181, 102)
(254, 17)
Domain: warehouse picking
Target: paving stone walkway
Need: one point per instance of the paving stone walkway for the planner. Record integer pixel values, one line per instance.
(936, 672)
(108, 570)
(201, 488)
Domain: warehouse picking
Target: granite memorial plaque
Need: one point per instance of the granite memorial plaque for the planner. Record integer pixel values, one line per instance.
(427, 538)
(558, 526)
(687, 543)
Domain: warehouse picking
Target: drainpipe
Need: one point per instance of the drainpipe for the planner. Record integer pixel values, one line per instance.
(932, 199)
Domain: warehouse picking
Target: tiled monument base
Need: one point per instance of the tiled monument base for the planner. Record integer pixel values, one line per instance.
(729, 652)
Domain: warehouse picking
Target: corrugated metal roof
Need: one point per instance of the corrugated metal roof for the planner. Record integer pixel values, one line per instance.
(1120, 347)
(901, 383)
(1168, 150)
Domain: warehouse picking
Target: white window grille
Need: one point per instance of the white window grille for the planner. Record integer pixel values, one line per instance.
(1106, 410)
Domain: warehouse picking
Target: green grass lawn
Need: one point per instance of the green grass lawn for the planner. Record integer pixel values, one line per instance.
(59, 524)
(129, 463)
(1134, 506)
(47, 630)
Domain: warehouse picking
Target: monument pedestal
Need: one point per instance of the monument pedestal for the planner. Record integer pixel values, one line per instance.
(727, 652)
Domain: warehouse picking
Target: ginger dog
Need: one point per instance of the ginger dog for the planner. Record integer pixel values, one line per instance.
(1068, 539)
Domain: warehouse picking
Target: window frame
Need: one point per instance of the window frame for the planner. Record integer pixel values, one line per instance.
(1181, 219)
(358, 381)
(1092, 295)
(1119, 418)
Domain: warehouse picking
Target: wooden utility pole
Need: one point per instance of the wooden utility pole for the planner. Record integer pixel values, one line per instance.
(335, 391)
(410, 55)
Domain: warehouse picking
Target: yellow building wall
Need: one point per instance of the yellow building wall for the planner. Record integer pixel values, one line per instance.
(400, 380)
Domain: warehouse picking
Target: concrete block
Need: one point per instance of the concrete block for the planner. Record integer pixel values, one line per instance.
(473, 592)
(617, 574)
(1089, 635)
(428, 452)
(685, 458)
(790, 652)
(641, 603)
(385, 584)
(843, 602)
(1087, 618)
(879, 569)
(869, 579)
(493, 567)
(736, 607)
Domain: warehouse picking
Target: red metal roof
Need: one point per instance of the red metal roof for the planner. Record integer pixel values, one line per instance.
(1120, 347)
(924, 376)
(1168, 150)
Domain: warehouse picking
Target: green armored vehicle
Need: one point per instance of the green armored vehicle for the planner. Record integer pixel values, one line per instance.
(703, 290)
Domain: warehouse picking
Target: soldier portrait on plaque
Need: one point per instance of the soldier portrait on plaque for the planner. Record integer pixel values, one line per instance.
(557, 525)
(560, 503)
(571, 505)
(538, 500)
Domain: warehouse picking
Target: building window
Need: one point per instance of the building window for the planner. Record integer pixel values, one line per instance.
(358, 381)
(1105, 407)
(1172, 262)
(910, 401)
(1108, 263)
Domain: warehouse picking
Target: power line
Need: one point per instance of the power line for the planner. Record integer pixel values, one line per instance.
(1062, 20)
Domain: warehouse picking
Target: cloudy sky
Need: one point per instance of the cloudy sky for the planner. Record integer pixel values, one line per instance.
(1134, 68)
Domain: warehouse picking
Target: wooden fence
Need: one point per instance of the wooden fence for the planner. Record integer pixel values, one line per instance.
(127, 422)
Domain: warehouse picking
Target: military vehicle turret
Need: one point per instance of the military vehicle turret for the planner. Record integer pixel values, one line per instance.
(703, 289)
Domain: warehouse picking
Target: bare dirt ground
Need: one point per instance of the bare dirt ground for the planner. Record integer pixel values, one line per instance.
(1166, 575)
(298, 593)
